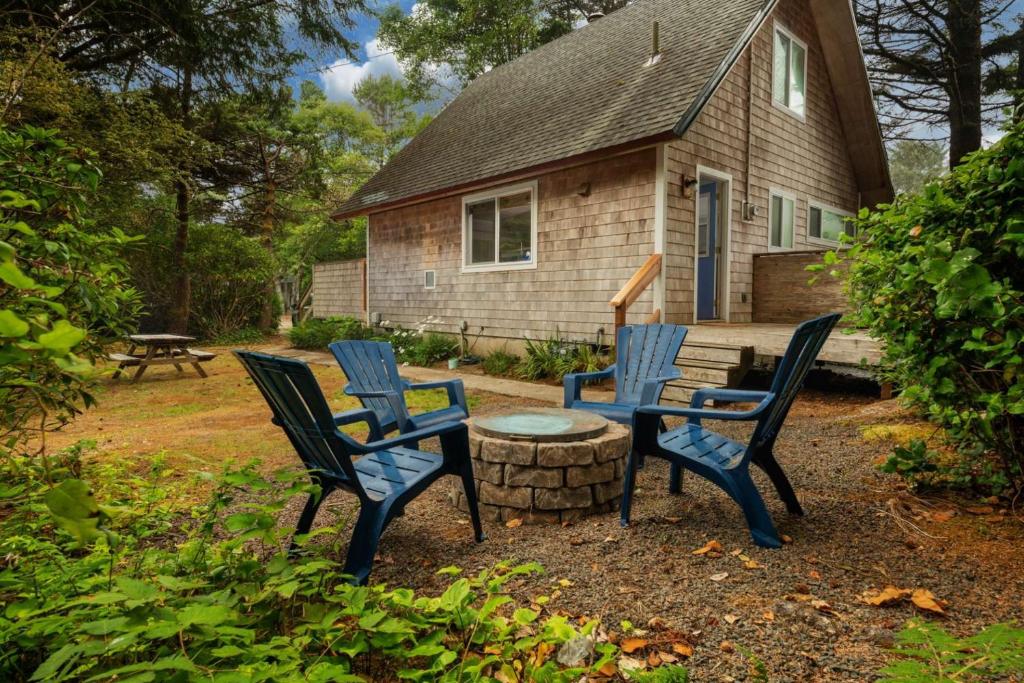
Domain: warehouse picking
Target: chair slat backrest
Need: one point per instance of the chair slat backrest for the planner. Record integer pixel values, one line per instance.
(300, 409)
(792, 370)
(641, 353)
(371, 366)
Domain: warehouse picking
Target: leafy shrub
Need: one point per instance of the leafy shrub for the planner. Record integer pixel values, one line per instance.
(937, 278)
(317, 333)
(246, 335)
(64, 281)
(555, 358)
(229, 272)
(500, 363)
(92, 592)
(928, 654)
(417, 348)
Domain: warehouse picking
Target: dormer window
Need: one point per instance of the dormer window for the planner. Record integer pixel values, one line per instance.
(789, 73)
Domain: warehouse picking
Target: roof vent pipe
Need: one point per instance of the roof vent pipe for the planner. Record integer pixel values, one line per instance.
(594, 16)
(655, 45)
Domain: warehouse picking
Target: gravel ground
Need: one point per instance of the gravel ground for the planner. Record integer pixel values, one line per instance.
(861, 532)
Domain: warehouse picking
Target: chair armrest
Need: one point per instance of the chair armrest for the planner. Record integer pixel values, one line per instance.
(410, 438)
(455, 388)
(651, 391)
(360, 415)
(393, 398)
(695, 415)
(572, 385)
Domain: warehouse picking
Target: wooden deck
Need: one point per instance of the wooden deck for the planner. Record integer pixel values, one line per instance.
(772, 340)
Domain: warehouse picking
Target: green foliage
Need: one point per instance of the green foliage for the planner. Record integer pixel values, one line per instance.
(928, 654)
(316, 333)
(664, 674)
(241, 337)
(555, 358)
(64, 284)
(226, 602)
(421, 348)
(229, 276)
(915, 163)
(937, 278)
(500, 363)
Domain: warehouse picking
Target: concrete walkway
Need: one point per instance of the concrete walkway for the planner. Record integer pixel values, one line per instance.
(494, 385)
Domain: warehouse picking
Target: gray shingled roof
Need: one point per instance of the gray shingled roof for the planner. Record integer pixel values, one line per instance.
(587, 91)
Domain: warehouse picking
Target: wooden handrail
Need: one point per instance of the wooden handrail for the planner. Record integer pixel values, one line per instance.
(632, 290)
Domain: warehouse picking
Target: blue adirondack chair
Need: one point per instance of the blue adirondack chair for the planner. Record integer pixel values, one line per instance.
(373, 378)
(721, 460)
(645, 358)
(386, 476)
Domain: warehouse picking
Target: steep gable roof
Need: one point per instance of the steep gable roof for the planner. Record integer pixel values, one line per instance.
(587, 91)
(592, 91)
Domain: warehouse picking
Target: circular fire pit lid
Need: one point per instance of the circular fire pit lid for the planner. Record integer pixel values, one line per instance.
(543, 425)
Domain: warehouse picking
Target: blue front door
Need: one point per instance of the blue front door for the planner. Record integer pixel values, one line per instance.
(707, 252)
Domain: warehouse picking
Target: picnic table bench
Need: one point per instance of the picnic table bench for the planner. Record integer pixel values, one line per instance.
(160, 349)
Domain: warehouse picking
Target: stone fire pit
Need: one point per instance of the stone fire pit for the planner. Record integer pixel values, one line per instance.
(546, 464)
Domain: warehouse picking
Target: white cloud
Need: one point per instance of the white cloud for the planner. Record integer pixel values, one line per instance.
(341, 77)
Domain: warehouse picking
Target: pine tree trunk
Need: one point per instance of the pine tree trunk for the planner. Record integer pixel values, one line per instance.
(1018, 86)
(964, 23)
(266, 320)
(181, 293)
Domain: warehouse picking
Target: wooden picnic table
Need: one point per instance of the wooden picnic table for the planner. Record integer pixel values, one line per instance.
(160, 349)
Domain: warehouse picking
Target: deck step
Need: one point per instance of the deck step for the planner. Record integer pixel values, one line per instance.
(708, 364)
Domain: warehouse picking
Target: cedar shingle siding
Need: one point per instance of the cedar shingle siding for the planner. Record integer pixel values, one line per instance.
(589, 246)
(338, 289)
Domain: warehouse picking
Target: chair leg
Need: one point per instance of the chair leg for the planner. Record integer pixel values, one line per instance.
(365, 539)
(308, 515)
(767, 462)
(762, 528)
(675, 478)
(629, 485)
(469, 486)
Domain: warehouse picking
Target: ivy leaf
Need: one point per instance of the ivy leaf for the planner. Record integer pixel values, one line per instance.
(11, 325)
(75, 510)
(62, 338)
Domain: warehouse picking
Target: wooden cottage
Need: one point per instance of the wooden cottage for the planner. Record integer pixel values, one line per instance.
(676, 160)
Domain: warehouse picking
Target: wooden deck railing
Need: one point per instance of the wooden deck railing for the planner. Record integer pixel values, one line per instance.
(632, 290)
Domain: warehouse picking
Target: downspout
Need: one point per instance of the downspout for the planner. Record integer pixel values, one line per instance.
(749, 212)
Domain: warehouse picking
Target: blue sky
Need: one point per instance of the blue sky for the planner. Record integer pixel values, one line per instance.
(337, 75)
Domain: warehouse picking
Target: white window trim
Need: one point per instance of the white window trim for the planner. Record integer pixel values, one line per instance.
(813, 203)
(785, 194)
(497, 193)
(781, 28)
(426, 273)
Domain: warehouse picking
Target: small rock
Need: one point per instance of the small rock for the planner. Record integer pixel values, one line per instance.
(575, 651)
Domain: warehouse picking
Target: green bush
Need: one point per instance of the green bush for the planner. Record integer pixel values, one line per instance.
(937, 277)
(416, 348)
(928, 654)
(64, 282)
(555, 358)
(500, 363)
(318, 333)
(95, 592)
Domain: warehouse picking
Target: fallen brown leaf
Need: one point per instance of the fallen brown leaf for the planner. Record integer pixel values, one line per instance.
(888, 596)
(731, 619)
(712, 546)
(786, 539)
(923, 599)
(942, 515)
(726, 646)
(721, 576)
(514, 523)
(653, 659)
(609, 669)
(682, 649)
(768, 616)
(631, 645)
(981, 509)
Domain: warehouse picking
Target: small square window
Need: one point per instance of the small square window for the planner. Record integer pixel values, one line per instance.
(781, 220)
(429, 279)
(789, 72)
(500, 228)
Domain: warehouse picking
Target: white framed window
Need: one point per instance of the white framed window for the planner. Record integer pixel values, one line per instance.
(789, 72)
(429, 279)
(499, 229)
(781, 219)
(827, 224)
